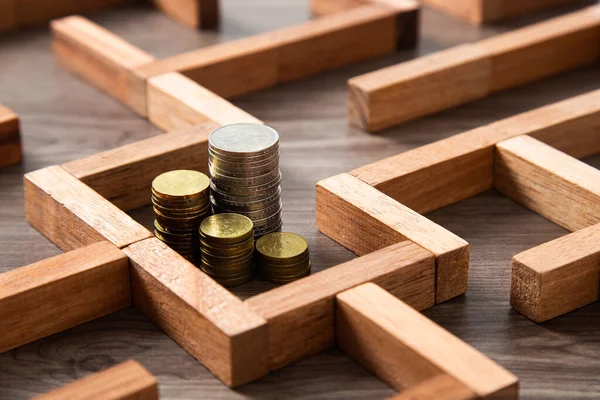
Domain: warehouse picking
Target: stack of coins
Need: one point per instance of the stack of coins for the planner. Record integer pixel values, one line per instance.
(283, 257)
(227, 247)
(245, 176)
(180, 200)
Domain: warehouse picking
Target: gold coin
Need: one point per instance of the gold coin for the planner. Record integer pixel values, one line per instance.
(229, 282)
(226, 228)
(181, 183)
(280, 247)
(286, 279)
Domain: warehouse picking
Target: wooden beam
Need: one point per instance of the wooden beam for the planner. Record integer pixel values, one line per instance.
(326, 7)
(125, 381)
(177, 102)
(8, 15)
(72, 215)
(124, 175)
(10, 138)
(301, 315)
(404, 348)
(379, 99)
(558, 276)
(433, 83)
(363, 219)
(209, 322)
(102, 58)
(60, 292)
(243, 66)
(441, 386)
(549, 182)
(196, 14)
(487, 11)
(36, 12)
(461, 166)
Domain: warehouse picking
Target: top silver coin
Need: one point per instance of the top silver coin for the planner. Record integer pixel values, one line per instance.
(244, 139)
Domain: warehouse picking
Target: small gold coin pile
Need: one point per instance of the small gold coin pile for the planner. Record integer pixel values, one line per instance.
(283, 257)
(180, 200)
(227, 247)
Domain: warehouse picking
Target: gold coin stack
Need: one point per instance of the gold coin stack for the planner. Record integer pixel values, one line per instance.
(180, 200)
(227, 247)
(283, 257)
(245, 176)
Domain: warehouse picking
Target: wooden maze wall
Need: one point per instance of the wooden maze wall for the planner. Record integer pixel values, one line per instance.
(367, 306)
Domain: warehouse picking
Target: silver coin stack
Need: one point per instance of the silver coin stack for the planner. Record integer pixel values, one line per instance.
(245, 177)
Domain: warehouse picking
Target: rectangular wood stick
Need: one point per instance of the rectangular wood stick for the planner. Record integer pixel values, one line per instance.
(209, 322)
(126, 381)
(35, 12)
(72, 215)
(197, 14)
(549, 182)
(102, 58)
(456, 76)
(177, 102)
(557, 277)
(60, 292)
(363, 219)
(124, 175)
(10, 138)
(461, 166)
(300, 315)
(404, 348)
(441, 386)
(246, 65)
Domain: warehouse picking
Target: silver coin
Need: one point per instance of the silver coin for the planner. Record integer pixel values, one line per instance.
(218, 178)
(261, 213)
(268, 221)
(252, 159)
(241, 170)
(247, 191)
(267, 230)
(237, 207)
(243, 139)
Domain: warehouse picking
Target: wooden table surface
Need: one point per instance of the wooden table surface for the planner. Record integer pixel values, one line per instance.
(63, 118)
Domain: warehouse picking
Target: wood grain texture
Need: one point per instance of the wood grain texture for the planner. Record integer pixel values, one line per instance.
(177, 102)
(126, 381)
(362, 219)
(10, 137)
(441, 386)
(72, 215)
(124, 175)
(209, 322)
(300, 315)
(60, 292)
(34, 12)
(461, 166)
(102, 58)
(8, 15)
(404, 348)
(420, 87)
(257, 62)
(486, 11)
(557, 277)
(549, 182)
(197, 14)
(544, 49)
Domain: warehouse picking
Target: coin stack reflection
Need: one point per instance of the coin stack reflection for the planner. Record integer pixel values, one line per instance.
(283, 257)
(245, 176)
(227, 247)
(180, 200)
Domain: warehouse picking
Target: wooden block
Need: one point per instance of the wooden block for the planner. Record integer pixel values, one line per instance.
(243, 66)
(320, 8)
(103, 59)
(363, 219)
(125, 381)
(34, 12)
(60, 292)
(485, 11)
(403, 348)
(441, 386)
(461, 166)
(197, 14)
(72, 215)
(544, 49)
(420, 87)
(124, 175)
(558, 276)
(549, 182)
(8, 15)
(300, 315)
(10, 138)
(209, 322)
(177, 102)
